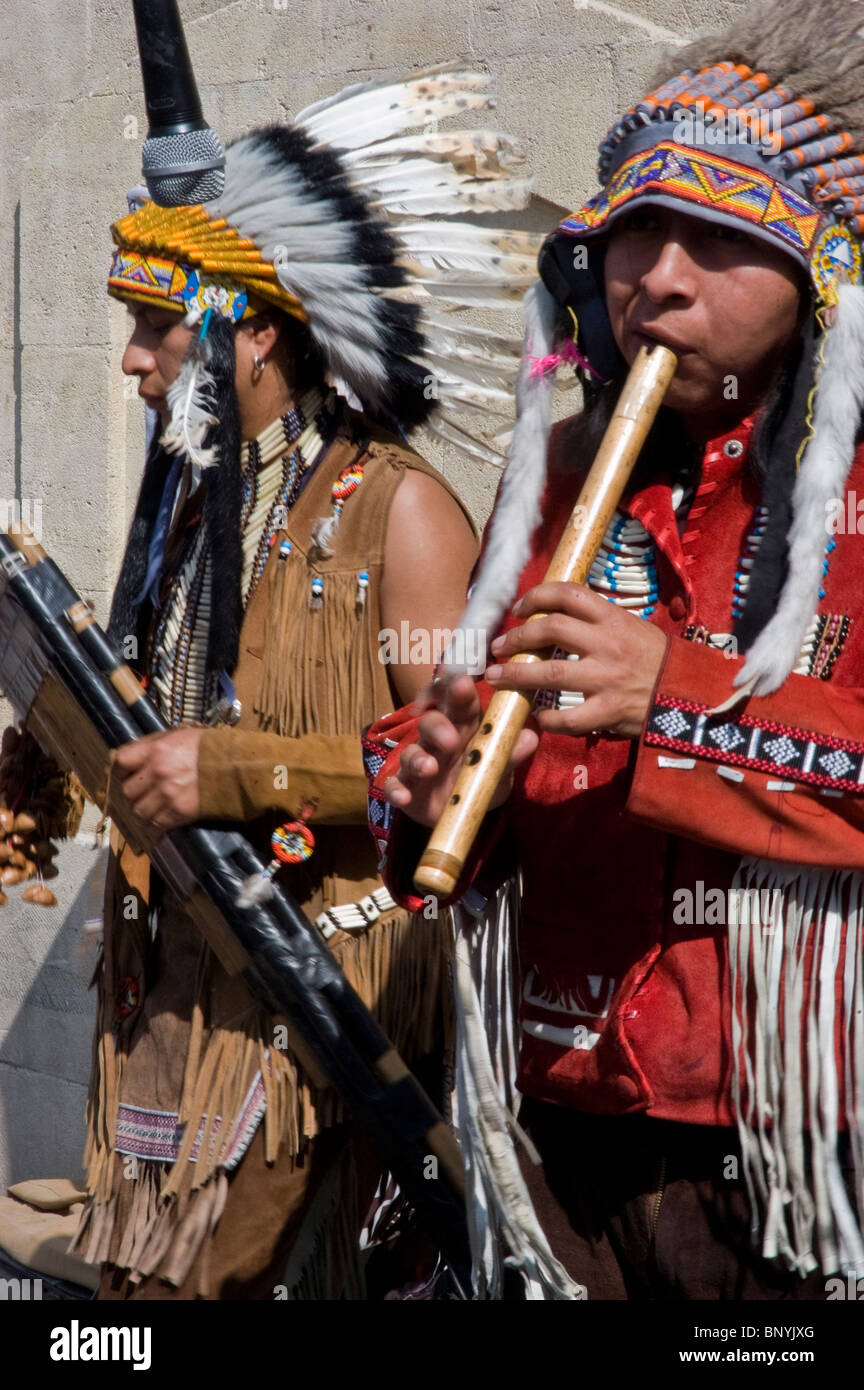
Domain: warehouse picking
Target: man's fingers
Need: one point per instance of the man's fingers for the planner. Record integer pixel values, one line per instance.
(461, 703)
(574, 599)
(131, 756)
(557, 674)
(149, 808)
(552, 630)
(524, 748)
(580, 721)
(438, 736)
(415, 763)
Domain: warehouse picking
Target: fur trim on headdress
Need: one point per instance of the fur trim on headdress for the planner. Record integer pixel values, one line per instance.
(816, 50)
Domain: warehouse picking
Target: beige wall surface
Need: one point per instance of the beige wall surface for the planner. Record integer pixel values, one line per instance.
(71, 428)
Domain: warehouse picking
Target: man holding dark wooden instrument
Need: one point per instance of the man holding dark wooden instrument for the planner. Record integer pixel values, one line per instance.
(685, 805)
(279, 530)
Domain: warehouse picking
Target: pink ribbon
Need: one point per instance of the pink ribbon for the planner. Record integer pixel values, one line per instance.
(568, 353)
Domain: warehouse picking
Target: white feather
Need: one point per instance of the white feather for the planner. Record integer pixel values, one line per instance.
(481, 292)
(326, 103)
(474, 152)
(475, 196)
(821, 478)
(190, 399)
(431, 238)
(447, 428)
(449, 331)
(381, 112)
(473, 397)
(517, 511)
(423, 179)
(462, 363)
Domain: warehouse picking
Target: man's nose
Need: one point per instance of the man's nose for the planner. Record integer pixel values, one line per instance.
(137, 359)
(672, 275)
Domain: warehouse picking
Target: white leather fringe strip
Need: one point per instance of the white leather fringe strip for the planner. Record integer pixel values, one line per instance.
(788, 952)
(502, 1224)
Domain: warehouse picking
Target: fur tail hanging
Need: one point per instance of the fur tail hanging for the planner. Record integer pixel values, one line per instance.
(502, 1224)
(517, 512)
(821, 479)
(254, 890)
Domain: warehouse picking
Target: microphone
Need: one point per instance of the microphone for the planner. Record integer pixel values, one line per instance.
(182, 161)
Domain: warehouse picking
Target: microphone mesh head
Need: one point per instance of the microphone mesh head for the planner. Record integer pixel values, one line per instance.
(176, 184)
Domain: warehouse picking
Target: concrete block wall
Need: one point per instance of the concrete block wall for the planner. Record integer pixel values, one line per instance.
(71, 429)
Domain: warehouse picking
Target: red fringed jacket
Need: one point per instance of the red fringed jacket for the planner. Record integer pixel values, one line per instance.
(625, 1002)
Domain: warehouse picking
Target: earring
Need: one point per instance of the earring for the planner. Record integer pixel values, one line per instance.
(258, 363)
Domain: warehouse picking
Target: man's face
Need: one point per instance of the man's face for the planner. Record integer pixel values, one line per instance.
(155, 351)
(727, 303)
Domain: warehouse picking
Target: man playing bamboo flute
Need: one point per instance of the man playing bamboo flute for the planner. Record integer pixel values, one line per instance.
(686, 805)
(282, 525)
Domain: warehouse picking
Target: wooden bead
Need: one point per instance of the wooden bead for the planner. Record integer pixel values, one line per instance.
(39, 894)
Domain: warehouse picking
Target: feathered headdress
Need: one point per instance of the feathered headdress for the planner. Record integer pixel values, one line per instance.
(337, 220)
(762, 130)
(350, 222)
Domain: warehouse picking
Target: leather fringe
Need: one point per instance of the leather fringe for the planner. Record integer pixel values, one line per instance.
(289, 702)
(399, 967)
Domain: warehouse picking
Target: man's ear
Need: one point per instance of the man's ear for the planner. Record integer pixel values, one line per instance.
(262, 331)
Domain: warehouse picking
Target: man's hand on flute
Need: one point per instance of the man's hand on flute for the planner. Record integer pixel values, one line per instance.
(429, 768)
(620, 657)
(620, 660)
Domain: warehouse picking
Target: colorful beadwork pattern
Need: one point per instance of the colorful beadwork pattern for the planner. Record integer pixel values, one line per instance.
(202, 292)
(380, 811)
(836, 257)
(798, 755)
(157, 1135)
(195, 242)
(147, 278)
(711, 181)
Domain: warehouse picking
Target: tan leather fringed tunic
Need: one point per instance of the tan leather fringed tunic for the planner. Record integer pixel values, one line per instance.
(187, 1065)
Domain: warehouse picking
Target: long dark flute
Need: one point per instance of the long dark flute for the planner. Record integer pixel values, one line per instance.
(81, 700)
(443, 861)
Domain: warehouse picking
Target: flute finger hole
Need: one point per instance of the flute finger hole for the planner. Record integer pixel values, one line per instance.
(473, 757)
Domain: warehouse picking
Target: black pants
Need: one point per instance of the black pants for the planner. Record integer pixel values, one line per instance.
(638, 1208)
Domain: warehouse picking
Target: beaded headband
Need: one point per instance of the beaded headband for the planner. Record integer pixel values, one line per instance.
(181, 258)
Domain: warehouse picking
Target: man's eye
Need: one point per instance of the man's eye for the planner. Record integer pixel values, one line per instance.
(734, 235)
(639, 220)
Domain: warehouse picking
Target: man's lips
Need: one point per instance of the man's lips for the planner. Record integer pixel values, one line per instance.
(647, 337)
